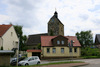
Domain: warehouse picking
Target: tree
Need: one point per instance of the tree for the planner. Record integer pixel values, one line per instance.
(22, 38)
(39, 46)
(85, 38)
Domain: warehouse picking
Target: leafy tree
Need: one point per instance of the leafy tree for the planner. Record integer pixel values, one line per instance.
(39, 46)
(22, 39)
(85, 38)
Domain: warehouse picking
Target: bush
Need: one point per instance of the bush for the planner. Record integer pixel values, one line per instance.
(88, 57)
(87, 51)
(2, 48)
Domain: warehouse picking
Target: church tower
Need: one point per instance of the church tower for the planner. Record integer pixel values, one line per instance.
(55, 27)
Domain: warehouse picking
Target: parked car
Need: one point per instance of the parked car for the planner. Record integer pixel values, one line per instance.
(30, 61)
(14, 60)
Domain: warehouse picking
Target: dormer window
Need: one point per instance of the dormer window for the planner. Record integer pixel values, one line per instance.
(58, 42)
(62, 42)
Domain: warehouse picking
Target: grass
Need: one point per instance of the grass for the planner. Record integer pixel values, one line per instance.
(48, 64)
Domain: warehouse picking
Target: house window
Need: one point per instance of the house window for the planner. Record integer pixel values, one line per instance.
(62, 50)
(70, 49)
(13, 42)
(54, 50)
(62, 42)
(58, 42)
(75, 49)
(11, 33)
(48, 50)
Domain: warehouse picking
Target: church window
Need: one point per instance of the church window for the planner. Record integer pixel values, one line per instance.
(52, 20)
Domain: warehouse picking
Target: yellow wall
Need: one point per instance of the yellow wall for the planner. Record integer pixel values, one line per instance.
(58, 52)
(29, 54)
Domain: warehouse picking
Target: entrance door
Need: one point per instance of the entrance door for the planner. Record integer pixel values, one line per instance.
(36, 54)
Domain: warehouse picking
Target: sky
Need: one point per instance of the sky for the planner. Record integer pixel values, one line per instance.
(33, 15)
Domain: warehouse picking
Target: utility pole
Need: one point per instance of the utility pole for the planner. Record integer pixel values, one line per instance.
(17, 52)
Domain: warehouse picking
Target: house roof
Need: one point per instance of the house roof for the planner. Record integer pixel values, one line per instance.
(3, 29)
(98, 37)
(75, 41)
(6, 51)
(35, 39)
(34, 50)
(46, 40)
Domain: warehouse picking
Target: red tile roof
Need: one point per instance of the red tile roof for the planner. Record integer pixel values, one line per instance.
(75, 41)
(46, 40)
(3, 29)
(34, 50)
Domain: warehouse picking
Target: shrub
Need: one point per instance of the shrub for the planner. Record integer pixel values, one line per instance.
(87, 51)
(2, 48)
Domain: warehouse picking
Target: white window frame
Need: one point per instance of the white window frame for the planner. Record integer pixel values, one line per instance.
(62, 42)
(58, 42)
(62, 50)
(53, 50)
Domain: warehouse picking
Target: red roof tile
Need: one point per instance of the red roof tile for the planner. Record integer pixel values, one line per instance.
(46, 40)
(3, 29)
(75, 41)
(34, 50)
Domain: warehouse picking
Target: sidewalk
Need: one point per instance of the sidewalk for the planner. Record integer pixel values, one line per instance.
(66, 65)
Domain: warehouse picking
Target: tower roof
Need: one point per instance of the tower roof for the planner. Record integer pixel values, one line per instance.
(56, 14)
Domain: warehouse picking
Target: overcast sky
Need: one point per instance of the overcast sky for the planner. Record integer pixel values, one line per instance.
(33, 15)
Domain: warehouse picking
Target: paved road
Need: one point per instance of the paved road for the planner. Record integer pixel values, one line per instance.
(64, 65)
(92, 62)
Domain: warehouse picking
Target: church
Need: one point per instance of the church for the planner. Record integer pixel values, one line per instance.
(53, 44)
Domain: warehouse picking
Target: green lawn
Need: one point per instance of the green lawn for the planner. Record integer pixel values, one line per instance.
(47, 64)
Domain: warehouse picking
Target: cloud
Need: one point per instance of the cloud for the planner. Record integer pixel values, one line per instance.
(4, 19)
(33, 15)
(96, 8)
(84, 17)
